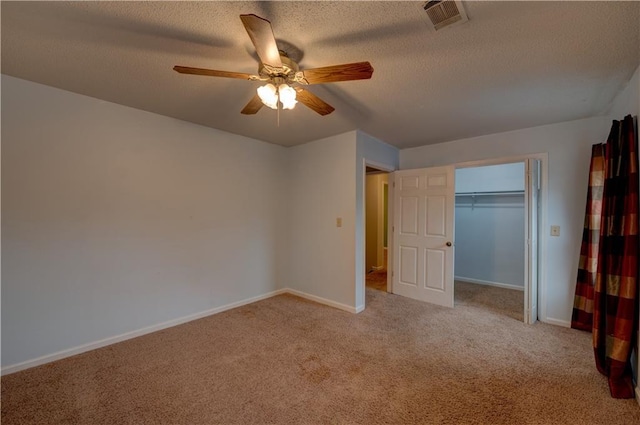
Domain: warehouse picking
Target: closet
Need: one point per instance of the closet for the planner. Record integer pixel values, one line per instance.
(490, 225)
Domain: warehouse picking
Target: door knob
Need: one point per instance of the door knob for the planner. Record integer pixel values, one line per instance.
(448, 243)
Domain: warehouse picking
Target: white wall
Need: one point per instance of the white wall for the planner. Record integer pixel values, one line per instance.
(115, 219)
(489, 229)
(322, 188)
(383, 156)
(628, 101)
(326, 182)
(569, 149)
(490, 178)
(489, 240)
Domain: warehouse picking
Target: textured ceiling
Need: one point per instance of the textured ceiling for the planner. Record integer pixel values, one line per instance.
(513, 65)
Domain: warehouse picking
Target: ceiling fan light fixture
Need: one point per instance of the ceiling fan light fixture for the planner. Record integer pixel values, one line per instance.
(269, 96)
(287, 96)
(278, 71)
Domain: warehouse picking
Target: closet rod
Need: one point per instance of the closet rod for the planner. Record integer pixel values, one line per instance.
(504, 192)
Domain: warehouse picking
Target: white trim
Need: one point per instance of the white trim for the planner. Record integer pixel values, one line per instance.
(557, 322)
(325, 301)
(390, 241)
(380, 225)
(377, 165)
(500, 161)
(638, 394)
(179, 321)
(489, 283)
(543, 236)
(376, 268)
(133, 334)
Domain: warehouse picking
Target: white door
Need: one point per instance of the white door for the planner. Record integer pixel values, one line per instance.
(532, 217)
(424, 201)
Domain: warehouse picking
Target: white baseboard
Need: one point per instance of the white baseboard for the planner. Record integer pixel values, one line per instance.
(324, 301)
(149, 329)
(557, 322)
(638, 394)
(376, 268)
(489, 283)
(133, 334)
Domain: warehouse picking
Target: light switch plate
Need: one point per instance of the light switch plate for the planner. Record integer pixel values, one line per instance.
(339, 222)
(555, 230)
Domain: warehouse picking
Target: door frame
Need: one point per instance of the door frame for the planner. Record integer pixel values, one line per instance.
(381, 215)
(387, 169)
(543, 236)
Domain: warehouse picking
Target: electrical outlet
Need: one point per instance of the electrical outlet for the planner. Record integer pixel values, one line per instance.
(555, 230)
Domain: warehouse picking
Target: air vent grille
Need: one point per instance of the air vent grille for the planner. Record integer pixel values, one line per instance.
(443, 13)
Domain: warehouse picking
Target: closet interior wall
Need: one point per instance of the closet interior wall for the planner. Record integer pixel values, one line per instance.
(489, 225)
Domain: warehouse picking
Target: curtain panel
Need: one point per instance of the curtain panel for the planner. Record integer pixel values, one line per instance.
(606, 301)
(582, 317)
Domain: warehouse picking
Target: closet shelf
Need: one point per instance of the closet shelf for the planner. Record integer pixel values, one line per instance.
(500, 193)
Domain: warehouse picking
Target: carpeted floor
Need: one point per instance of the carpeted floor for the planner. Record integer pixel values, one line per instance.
(377, 280)
(286, 360)
(499, 301)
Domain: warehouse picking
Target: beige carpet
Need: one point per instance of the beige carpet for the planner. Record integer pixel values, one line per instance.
(498, 301)
(289, 361)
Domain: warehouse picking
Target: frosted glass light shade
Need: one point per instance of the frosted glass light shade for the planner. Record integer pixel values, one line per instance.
(267, 94)
(287, 96)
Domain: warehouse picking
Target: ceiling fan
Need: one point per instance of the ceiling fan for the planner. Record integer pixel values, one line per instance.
(281, 73)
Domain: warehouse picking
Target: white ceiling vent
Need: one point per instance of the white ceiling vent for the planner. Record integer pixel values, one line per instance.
(443, 13)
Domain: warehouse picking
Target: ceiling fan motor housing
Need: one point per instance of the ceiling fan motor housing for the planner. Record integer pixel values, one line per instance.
(287, 72)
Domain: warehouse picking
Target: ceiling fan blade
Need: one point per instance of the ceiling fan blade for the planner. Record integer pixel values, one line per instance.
(313, 102)
(261, 35)
(214, 73)
(253, 106)
(330, 74)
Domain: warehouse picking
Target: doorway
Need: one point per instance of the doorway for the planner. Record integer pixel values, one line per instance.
(423, 212)
(490, 218)
(376, 222)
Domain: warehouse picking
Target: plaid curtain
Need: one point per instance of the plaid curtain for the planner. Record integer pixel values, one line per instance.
(615, 302)
(582, 317)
